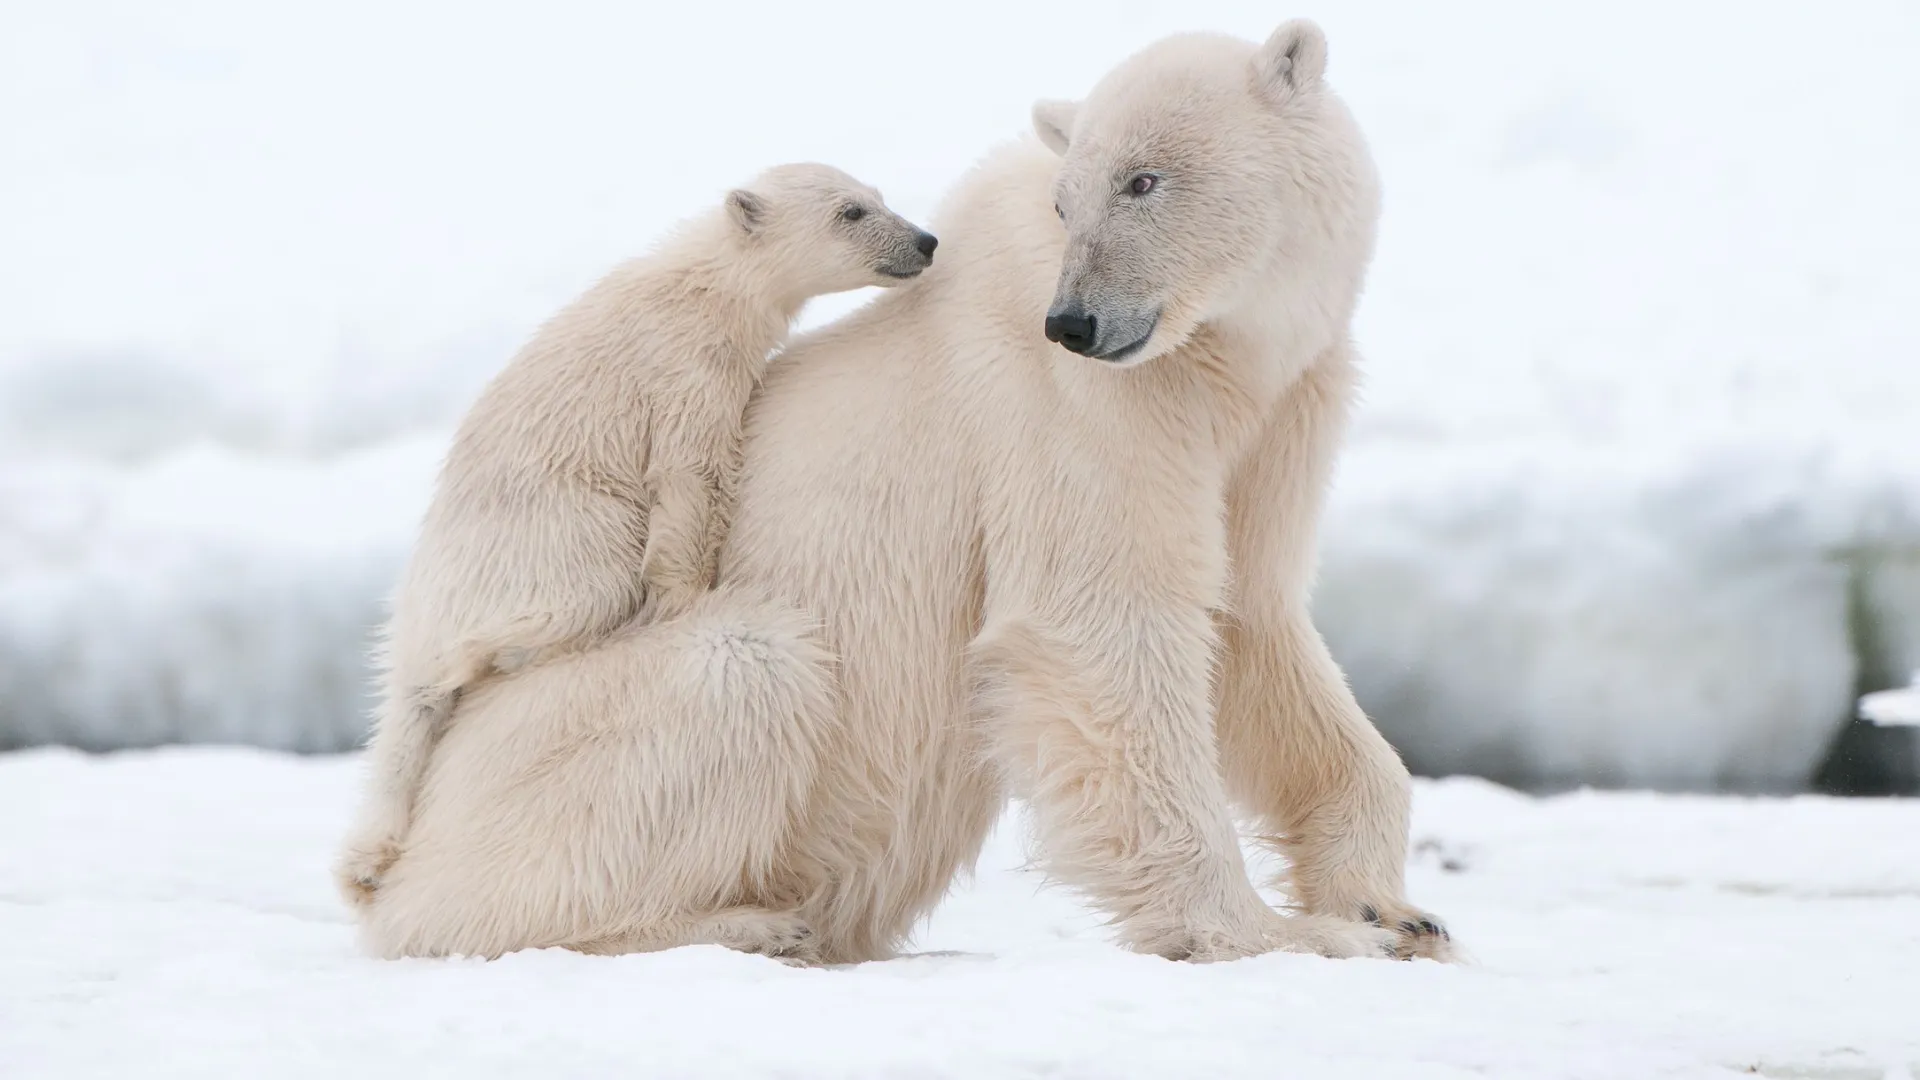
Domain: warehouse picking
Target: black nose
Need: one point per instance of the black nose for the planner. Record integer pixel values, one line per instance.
(1072, 330)
(926, 242)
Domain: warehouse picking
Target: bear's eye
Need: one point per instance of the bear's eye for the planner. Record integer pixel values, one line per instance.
(1142, 183)
(1059, 213)
(853, 213)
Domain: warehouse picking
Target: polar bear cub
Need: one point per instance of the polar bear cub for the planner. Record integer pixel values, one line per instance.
(592, 481)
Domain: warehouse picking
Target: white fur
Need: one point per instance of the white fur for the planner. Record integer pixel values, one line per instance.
(592, 481)
(1031, 571)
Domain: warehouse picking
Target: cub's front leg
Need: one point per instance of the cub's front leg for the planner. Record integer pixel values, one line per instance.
(690, 479)
(676, 566)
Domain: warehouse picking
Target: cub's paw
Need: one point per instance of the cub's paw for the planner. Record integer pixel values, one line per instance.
(668, 600)
(361, 866)
(1416, 934)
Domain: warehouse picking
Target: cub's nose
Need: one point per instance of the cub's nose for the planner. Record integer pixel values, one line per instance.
(1073, 330)
(926, 242)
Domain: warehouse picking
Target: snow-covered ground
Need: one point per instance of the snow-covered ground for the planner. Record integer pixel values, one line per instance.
(1634, 496)
(167, 914)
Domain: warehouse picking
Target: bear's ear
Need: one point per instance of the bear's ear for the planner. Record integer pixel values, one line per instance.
(1293, 59)
(746, 209)
(1053, 122)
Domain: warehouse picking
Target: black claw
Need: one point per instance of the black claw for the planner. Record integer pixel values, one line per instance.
(1430, 926)
(1408, 926)
(1368, 913)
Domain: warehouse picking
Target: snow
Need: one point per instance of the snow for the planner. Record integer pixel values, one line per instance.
(200, 596)
(1633, 496)
(167, 913)
(1894, 707)
(1544, 626)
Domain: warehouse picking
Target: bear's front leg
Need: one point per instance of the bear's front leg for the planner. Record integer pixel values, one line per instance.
(1108, 735)
(1330, 793)
(1332, 796)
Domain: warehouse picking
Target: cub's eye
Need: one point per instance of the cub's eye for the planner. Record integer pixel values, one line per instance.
(853, 213)
(1059, 213)
(1142, 184)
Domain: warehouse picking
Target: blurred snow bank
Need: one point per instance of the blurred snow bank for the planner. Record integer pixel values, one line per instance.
(206, 596)
(1694, 631)
(1551, 615)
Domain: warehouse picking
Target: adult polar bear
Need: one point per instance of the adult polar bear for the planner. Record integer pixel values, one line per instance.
(969, 562)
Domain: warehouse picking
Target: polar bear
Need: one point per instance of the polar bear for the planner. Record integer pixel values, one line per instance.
(969, 563)
(592, 481)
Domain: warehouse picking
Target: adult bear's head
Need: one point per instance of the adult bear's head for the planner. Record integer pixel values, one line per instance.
(1206, 180)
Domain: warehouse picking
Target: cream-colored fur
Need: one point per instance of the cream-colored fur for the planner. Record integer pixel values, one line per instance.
(592, 481)
(967, 563)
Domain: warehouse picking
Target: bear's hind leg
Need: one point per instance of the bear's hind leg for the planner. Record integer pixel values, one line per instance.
(614, 800)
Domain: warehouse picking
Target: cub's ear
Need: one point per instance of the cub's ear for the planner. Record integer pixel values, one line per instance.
(746, 209)
(1053, 122)
(1293, 59)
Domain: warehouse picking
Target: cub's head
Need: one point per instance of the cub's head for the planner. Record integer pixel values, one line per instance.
(826, 232)
(1200, 180)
